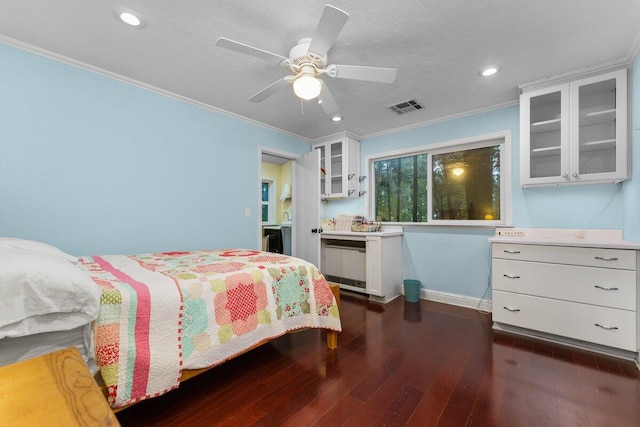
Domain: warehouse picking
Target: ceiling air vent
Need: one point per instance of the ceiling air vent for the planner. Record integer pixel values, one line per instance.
(406, 106)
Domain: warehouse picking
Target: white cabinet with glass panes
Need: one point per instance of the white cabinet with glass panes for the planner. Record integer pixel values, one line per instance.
(340, 166)
(575, 132)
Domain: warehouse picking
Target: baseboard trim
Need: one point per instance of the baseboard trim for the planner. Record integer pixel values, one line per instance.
(455, 299)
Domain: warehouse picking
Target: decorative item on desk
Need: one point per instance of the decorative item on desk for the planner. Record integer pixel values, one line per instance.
(328, 224)
(363, 225)
(343, 222)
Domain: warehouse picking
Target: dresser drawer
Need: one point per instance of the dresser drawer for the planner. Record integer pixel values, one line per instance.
(590, 257)
(591, 285)
(617, 328)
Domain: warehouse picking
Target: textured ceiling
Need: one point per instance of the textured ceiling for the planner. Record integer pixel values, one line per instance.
(437, 46)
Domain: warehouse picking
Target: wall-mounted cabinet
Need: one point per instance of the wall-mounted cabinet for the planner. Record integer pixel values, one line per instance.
(575, 132)
(340, 163)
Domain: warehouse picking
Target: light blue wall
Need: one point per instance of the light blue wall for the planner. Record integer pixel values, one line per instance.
(457, 260)
(93, 165)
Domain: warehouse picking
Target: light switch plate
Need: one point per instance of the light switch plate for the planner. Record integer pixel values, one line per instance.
(247, 212)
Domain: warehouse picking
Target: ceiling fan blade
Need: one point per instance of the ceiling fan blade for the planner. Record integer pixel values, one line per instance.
(269, 90)
(330, 25)
(249, 50)
(369, 74)
(327, 101)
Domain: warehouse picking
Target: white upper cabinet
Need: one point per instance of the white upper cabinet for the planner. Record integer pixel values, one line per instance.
(575, 132)
(340, 166)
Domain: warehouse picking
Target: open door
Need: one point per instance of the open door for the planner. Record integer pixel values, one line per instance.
(306, 208)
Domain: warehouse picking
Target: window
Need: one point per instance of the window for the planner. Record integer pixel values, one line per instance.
(268, 202)
(463, 182)
(400, 189)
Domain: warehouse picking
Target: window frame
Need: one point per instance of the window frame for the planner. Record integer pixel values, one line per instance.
(271, 203)
(502, 138)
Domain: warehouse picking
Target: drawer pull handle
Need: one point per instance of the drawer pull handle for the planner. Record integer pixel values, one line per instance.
(513, 310)
(511, 252)
(605, 288)
(509, 276)
(608, 328)
(606, 259)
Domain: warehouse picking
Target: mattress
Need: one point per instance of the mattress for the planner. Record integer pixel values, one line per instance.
(26, 347)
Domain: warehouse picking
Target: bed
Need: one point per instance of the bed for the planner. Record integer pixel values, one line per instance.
(152, 320)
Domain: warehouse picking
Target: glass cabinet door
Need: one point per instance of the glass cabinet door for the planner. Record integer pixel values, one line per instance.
(323, 170)
(336, 168)
(594, 134)
(545, 135)
(545, 131)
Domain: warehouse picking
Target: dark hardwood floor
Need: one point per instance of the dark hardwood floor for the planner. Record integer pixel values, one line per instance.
(421, 364)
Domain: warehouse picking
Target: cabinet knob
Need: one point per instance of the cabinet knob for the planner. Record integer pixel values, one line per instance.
(575, 175)
(509, 276)
(507, 251)
(565, 176)
(606, 259)
(513, 310)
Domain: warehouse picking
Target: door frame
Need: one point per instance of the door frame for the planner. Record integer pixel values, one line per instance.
(279, 153)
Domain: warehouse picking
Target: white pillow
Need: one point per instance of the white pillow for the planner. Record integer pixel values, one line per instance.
(43, 292)
(12, 242)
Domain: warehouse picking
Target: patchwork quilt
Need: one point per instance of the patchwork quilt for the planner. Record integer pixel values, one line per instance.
(165, 312)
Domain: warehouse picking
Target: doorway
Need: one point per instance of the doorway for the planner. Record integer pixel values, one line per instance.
(276, 200)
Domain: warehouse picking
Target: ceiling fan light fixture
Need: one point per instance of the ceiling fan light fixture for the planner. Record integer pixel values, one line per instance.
(336, 118)
(307, 87)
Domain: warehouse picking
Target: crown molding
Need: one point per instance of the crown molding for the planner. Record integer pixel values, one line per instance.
(117, 77)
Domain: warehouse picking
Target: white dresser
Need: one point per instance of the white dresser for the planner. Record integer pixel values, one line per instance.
(570, 286)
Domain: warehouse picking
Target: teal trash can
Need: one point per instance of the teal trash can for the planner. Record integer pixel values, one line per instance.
(412, 290)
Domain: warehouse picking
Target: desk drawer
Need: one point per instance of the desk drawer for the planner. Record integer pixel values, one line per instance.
(617, 328)
(590, 257)
(598, 286)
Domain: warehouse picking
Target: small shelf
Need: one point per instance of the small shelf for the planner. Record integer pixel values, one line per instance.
(598, 113)
(598, 117)
(603, 144)
(545, 151)
(545, 126)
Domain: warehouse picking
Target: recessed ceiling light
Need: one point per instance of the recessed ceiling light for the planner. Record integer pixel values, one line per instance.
(489, 71)
(129, 17)
(336, 118)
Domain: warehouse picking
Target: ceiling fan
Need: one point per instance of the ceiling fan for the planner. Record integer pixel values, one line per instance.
(308, 60)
